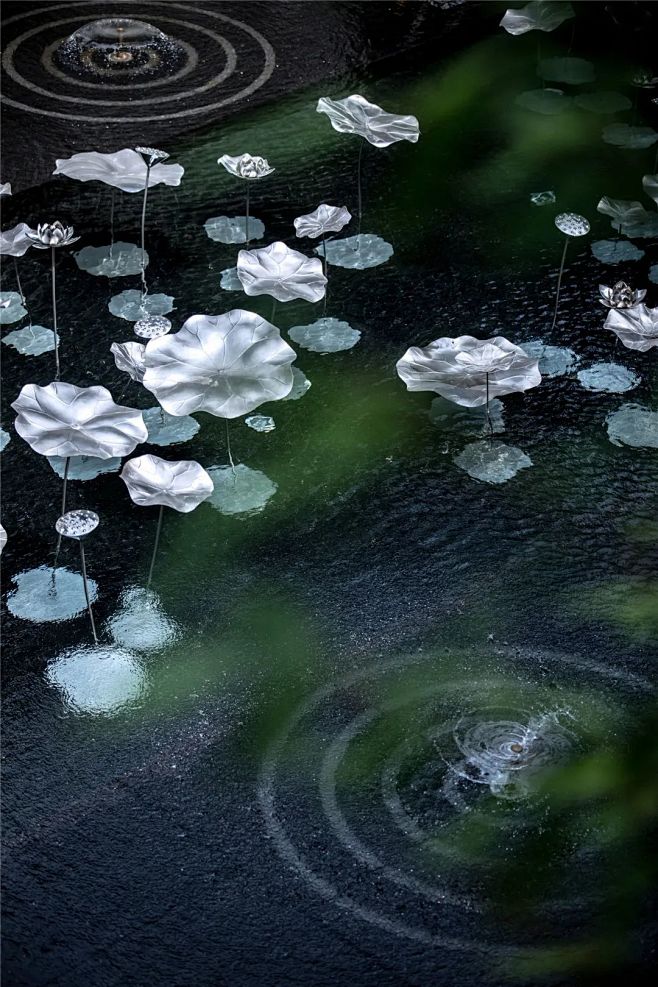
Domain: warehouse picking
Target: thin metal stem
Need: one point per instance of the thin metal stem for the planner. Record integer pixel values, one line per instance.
(155, 547)
(84, 583)
(54, 299)
(273, 310)
(146, 192)
(67, 463)
(18, 282)
(324, 271)
(228, 447)
(358, 183)
(246, 218)
(489, 421)
(112, 221)
(559, 282)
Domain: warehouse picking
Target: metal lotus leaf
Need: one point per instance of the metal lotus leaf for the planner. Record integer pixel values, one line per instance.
(125, 170)
(629, 217)
(227, 365)
(620, 295)
(250, 166)
(16, 242)
(3, 538)
(283, 273)
(77, 524)
(129, 357)
(355, 115)
(572, 224)
(458, 369)
(636, 327)
(325, 219)
(5, 188)
(538, 15)
(152, 482)
(64, 420)
(51, 235)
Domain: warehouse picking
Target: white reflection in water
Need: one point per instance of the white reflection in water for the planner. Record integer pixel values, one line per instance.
(40, 598)
(492, 461)
(357, 252)
(117, 260)
(240, 490)
(140, 622)
(99, 680)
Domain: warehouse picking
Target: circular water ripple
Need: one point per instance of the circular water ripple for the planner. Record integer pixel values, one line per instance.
(370, 787)
(225, 60)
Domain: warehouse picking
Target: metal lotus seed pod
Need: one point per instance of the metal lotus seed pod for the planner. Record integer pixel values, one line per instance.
(152, 327)
(572, 224)
(77, 524)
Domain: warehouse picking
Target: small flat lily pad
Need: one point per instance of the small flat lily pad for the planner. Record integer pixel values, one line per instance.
(573, 71)
(240, 491)
(32, 340)
(14, 311)
(5, 439)
(84, 467)
(233, 229)
(300, 385)
(603, 102)
(168, 430)
(260, 423)
(633, 425)
(41, 599)
(229, 280)
(616, 251)
(100, 680)
(634, 138)
(358, 252)
(132, 305)
(117, 260)
(610, 377)
(492, 461)
(550, 102)
(325, 336)
(553, 361)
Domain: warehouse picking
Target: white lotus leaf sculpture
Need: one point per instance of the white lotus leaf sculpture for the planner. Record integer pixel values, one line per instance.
(129, 357)
(538, 15)
(16, 242)
(283, 273)
(125, 170)
(64, 420)
(5, 188)
(250, 166)
(650, 186)
(226, 365)
(355, 115)
(468, 370)
(629, 217)
(636, 327)
(3, 538)
(325, 219)
(155, 482)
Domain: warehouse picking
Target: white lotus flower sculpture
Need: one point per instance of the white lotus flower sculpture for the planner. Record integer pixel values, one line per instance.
(538, 15)
(126, 170)
(155, 482)
(283, 273)
(50, 236)
(621, 295)
(250, 167)
(325, 219)
(226, 365)
(636, 327)
(355, 115)
(468, 371)
(129, 357)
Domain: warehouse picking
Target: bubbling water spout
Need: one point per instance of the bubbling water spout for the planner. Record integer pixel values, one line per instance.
(120, 49)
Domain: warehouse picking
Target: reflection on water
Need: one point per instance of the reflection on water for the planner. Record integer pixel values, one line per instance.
(44, 594)
(140, 622)
(99, 680)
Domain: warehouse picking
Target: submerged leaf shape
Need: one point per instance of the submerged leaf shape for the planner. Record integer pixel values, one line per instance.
(152, 482)
(129, 357)
(538, 15)
(624, 135)
(355, 115)
(460, 369)
(15, 242)
(64, 420)
(283, 273)
(227, 365)
(636, 327)
(324, 219)
(125, 170)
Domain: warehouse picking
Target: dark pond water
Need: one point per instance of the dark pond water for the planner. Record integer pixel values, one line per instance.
(281, 771)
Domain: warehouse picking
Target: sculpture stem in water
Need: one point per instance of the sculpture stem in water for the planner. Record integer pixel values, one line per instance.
(155, 547)
(228, 448)
(146, 190)
(489, 421)
(246, 218)
(559, 282)
(86, 588)
(54, 299)
(67, 463)
(358, 183)
(20, 287)
(324, 271)
(112, 221)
